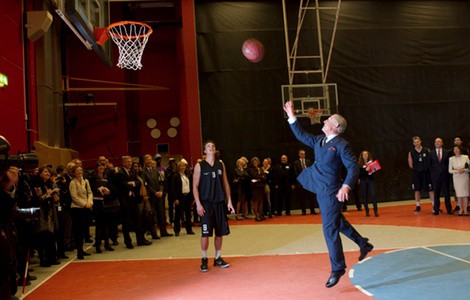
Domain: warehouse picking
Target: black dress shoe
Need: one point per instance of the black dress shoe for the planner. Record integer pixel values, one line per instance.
(144, 243)
(98, 250)
(85, 253)
(190, 232)
(64, 256)
(334, 278)
(55, 263)
(129, 246)
(177, 234)
(166, 234)
(108, 248)
(115, 243)
(365, 250)
(155, 237)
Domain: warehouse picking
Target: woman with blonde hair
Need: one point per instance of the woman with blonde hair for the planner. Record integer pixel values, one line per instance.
(258, 182)
(82, 203)
(241, 183)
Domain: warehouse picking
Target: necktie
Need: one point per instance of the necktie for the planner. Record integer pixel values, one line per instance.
(303, 163)
(323, 141)
(439, 154)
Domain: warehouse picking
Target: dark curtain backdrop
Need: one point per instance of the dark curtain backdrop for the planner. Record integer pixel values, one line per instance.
(402, 69)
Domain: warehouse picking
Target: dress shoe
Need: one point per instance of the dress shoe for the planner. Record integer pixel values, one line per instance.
(367, 214)
(177, 233)
(365, 250)
(32, 277)
(129, 246)
(313, 212)
(44, 264)
(115, 243)
(55, 263)
(80, 256)
(155, 237)
(98, 250)
(190, 232)
(85, 253)
(376, 214)
(64, 256)
(334, 278)
(144, 243)
(166, 234)
(108, 248)
(20, 283)
(436, 213)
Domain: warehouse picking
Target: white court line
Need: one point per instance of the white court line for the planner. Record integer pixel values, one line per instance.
(351, 273)
(363, 290)
(50, 276)
(451, 256)
(364, 260)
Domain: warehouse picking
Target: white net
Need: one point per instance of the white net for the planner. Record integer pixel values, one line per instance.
(131, 39)
(315, 115)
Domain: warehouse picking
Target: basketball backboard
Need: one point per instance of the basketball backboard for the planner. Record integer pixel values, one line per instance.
(82, 17)
(311, 96)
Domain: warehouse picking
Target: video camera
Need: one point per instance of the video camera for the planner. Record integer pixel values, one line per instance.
(26, 162)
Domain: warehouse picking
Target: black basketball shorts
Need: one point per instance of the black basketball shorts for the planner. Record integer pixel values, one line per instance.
(215, 219)
(421, 181)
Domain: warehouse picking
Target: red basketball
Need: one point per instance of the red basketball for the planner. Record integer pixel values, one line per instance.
(253, 50)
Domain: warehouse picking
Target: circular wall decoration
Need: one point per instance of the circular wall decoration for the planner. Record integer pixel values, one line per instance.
(172, 132)
(155, 133)
(175, 121)
(151, 123)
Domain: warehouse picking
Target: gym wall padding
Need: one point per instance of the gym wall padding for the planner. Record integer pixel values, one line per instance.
(402, 69)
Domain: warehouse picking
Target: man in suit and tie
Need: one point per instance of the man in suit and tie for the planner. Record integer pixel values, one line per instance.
(324, 179)
(128, 189)
(439, 167)
(303, 195)
(155, 190)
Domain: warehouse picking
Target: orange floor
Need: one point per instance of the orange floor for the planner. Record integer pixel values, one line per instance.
(300, 276)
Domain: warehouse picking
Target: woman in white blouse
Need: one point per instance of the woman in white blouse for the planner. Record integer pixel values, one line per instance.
(459, 168)
(82, 200)
(182, 193)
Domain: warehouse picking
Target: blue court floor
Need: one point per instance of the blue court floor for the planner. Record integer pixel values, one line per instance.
(434, 272)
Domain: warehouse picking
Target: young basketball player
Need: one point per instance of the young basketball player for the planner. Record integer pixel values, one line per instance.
(211, 189)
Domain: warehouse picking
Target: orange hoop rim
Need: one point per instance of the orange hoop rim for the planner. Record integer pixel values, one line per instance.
(314, 111)
(108, 30)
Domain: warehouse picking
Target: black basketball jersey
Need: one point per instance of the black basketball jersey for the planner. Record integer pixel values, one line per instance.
(211, 182)
(420, 159)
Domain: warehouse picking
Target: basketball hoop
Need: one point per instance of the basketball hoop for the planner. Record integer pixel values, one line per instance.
(131, 38)
(315, 115)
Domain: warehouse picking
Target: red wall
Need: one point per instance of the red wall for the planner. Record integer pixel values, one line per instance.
(169, 60)
(12, 111)
(100, 128)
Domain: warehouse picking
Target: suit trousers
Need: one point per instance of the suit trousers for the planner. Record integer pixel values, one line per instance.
(131, 219)
(334, 222)
(283, 197)
(305, 198)
(184, 207)
(79, 221)
(442, 184)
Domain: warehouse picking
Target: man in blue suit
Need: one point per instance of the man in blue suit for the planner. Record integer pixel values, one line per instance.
(324, 179)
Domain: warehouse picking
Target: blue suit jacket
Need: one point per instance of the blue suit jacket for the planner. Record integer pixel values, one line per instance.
(324, 175)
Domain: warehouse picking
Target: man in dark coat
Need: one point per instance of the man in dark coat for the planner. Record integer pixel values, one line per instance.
(324, 179)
